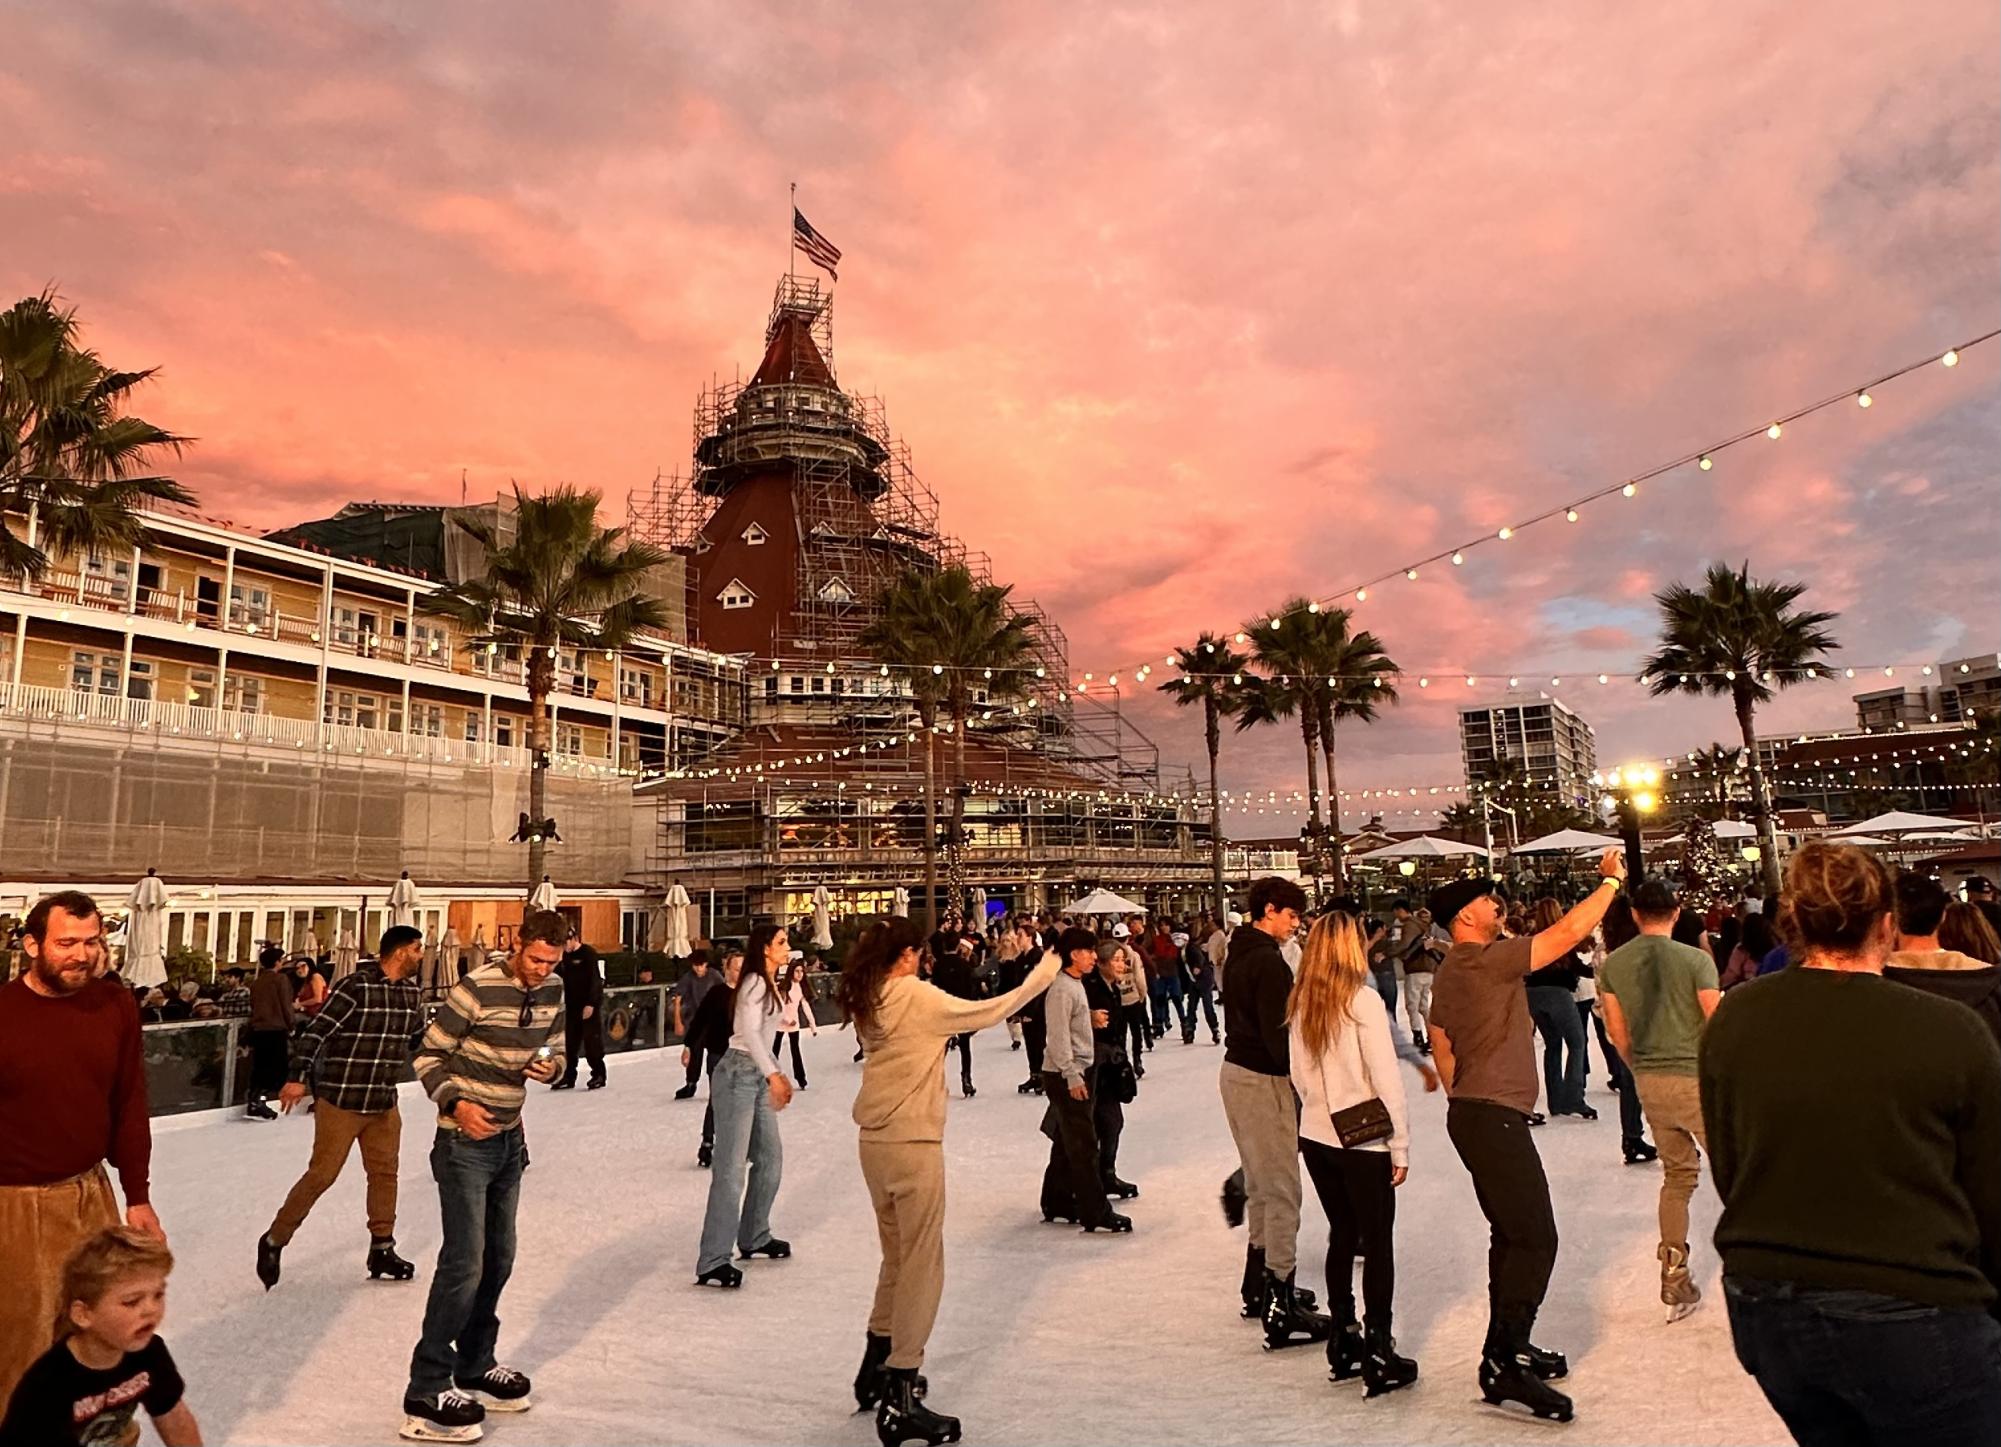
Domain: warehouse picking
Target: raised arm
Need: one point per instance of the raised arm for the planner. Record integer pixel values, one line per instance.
(1572, 930)
(946, 1015)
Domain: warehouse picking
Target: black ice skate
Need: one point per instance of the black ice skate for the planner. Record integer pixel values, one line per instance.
(726, 1276)
(1288, 1321)
(776, 1249)
(1120, 1190)
(450, 1416)
(1254, 1284)
(1514, 1378)
(1382, 1369)
(1547, 1364)
(903, 1417)
(1115, 1223)
(269, 1262)
(499, 1389)
(705, 1155)
(872, 1380)
(686, 1092)
(1638, 1153)
(1345, 1350)
(384, 1262)
(258, 1110)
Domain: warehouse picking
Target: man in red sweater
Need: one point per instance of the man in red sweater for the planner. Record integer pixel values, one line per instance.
(72, 1096)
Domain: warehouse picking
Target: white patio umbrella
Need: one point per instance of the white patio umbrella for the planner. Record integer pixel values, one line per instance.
(823, 918)
(346, 953)
(1425, 847)
(677, 944)
(1861, 841)
(1103, 901)
(1943, 836)
(544, 896)
(450, 953)
(477, 949)
(1566, 841)
(403, 901)
(146, 932)
(1898, 821)
(304, 941)
(980, 905)
(902, 901)
(1722, 829)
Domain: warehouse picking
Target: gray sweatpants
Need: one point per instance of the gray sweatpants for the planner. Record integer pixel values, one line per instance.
(1264, 1122)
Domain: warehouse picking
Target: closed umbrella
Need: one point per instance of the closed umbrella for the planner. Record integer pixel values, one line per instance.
(980, 905)
(304, 941)
(823, 918)
(146, 932)
(403, 901)
(902, 899)
(450, 954)
(544, 896)
(346, 953)
(478, 949)
(679, 946)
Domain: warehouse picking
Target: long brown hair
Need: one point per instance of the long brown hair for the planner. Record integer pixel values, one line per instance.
(1964, 928)
(1333, 968)
(868, 964)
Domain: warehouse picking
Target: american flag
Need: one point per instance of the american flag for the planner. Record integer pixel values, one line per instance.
(819, 250)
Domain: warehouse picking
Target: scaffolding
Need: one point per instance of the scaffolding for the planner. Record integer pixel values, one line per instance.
(862, 516)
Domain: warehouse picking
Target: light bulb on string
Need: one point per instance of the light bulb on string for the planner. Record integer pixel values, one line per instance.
(1774, 431)
(1361, 595)
(1630, 489)
(1458, 559)
(1410, 573)
(1705, 464)
(1570, 515)
(1951, 357)
(1505, 533)
(1863, 399)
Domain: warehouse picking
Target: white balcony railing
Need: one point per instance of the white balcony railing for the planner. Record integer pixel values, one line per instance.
(162, 720)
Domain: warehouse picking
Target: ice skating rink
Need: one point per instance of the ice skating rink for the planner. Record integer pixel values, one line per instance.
(1046, 1335)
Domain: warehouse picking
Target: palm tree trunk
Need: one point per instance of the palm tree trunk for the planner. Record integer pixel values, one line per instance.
(1334, 806)
(930, 830)
(1309, 729)
(1212, 724)
(541, 681)
(1761, 798)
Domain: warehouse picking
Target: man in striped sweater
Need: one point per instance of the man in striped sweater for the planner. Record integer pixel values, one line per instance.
(501, 1026)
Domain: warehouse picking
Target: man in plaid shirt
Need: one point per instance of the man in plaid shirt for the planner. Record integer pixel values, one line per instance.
(355, 1050)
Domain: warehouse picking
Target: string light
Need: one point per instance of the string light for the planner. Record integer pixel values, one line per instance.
(1774, 431)
(1863, 399)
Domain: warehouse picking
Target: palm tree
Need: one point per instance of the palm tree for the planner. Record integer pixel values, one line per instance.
(1358, 675)
(951, 634)
(71, 460)
(1462, 822)
(1207, 667)
(1721, 763)
(1741, 637)
(560, 581)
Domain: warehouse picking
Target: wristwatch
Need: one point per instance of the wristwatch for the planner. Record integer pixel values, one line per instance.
(1610, 879)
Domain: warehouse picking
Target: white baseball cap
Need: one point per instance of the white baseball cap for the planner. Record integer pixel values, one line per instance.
(1120, 932)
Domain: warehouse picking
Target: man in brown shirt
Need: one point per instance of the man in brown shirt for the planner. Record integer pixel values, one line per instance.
(1483, 1042)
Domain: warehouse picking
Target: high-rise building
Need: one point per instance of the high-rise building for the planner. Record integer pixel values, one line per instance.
(1537, 736)
(1950, 692)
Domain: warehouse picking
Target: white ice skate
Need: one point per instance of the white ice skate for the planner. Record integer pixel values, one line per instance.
(1679, 1293)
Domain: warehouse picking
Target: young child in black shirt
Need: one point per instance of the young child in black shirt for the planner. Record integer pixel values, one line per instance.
(109, 1362)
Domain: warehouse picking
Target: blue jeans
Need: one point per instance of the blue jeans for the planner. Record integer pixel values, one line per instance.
(1386, 986)
(1854, 1369)
(479, 1184)
(746, 1135)
(1556, 1017)
(1167, 990)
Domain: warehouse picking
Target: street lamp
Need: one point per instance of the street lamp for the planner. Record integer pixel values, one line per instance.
(1630, 792)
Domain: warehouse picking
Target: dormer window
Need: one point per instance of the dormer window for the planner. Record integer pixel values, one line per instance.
(735, 595)
(702, 544)
(836, 592)
(756, 536)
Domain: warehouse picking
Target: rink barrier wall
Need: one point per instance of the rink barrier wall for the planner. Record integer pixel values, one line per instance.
(205, 1064)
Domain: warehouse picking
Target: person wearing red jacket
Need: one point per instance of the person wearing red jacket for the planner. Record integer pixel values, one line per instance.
(73, 1096)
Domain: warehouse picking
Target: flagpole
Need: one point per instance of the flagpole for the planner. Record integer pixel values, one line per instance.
(792, 233)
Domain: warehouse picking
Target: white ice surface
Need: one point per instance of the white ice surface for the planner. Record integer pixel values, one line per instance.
(1046, 1335)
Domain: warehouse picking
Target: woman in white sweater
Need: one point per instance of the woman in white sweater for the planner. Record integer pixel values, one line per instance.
(1344, 1055)
(903, 1023)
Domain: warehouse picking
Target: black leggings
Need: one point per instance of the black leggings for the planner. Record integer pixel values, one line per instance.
(1494, 1143)
(1361, 1206)
(798, 1065)
(1139, 1028)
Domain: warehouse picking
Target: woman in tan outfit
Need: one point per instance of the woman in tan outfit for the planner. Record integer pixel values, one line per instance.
(903, 1023)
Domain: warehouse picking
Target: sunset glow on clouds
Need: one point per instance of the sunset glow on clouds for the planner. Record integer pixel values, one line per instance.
(1182, 309)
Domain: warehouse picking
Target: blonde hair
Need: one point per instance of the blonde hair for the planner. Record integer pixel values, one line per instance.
(101, 1262)
(1333, 968)
(1835, 897)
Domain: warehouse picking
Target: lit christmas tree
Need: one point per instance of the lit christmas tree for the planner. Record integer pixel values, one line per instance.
(1704, 870)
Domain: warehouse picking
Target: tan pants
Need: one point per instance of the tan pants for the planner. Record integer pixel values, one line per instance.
(1264, 1121)
(334, 1133)
(39, 1227)
(1673, 1106)
(906, 1183)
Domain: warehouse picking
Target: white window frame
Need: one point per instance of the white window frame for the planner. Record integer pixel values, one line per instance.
(755, 536)
(249, 603)
(112, 575)
(635, 685)
(735, 595)
(835, 591)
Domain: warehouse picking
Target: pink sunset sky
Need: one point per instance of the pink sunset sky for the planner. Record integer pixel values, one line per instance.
(1183, 309)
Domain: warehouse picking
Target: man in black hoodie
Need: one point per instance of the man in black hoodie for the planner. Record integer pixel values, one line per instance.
(583, 1012)
(1262, 1110)
(1920, 962)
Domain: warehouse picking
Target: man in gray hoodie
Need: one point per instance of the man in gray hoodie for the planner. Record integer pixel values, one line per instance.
(1072, 1189)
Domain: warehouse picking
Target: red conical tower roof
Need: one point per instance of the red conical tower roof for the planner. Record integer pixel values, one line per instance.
(793, 356)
